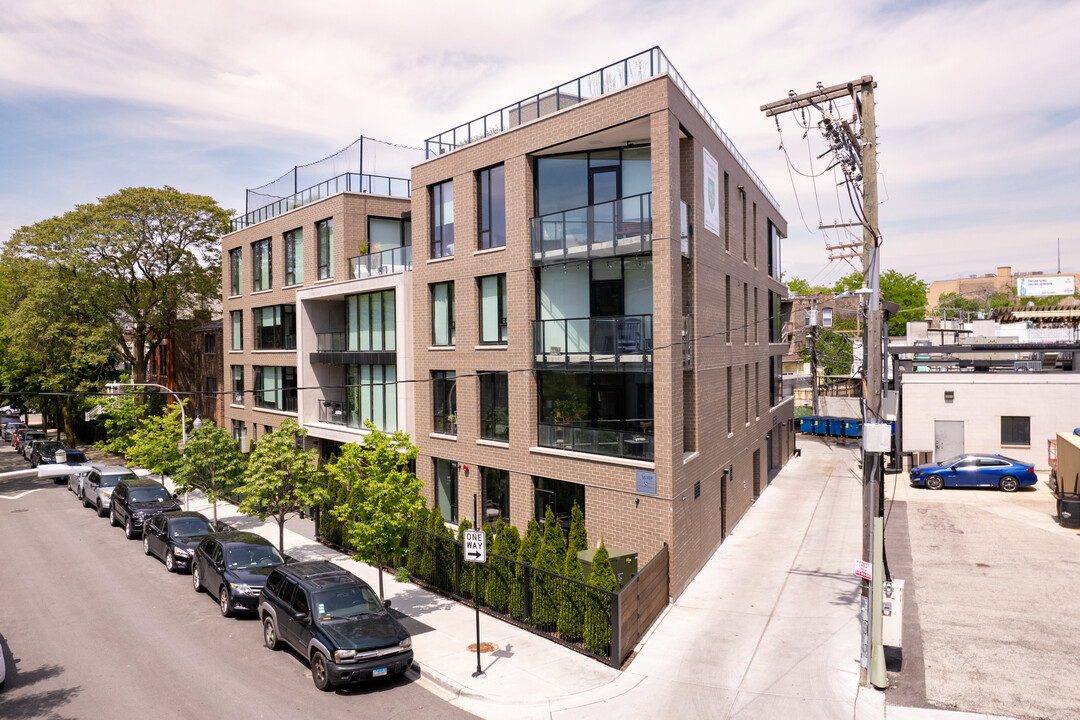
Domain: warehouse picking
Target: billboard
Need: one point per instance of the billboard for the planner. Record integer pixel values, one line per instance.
(1042, 285)
(711, 192)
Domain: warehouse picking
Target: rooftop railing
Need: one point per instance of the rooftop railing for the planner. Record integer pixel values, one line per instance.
(608, 79)
(347, 182)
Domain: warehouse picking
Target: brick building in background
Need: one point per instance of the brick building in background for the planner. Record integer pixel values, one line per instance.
(597, 316)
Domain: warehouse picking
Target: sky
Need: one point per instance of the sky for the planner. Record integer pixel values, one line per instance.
(977, 103)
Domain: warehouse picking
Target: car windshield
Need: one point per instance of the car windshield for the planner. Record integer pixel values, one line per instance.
(76, 456)
(189, 527)
(345, 602)
(240, 557)
(952, 460)
(149, 494)
(111, 480)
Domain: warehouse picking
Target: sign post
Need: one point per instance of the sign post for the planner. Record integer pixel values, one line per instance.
(476, 552)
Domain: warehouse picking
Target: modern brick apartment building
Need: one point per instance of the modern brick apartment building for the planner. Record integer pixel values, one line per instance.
(596, 304)
(316, 299)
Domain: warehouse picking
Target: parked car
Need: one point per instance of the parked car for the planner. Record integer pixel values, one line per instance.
(335, 620)
(234, 566)
(173, 537)
(10, 428)
(95, 488)
(136, 500)
(17, 435)
(74, 457)
(26, 447)
(45, 452)
(970, 470)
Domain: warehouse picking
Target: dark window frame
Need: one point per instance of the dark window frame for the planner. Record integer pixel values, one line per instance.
(290, 245)
(284, 392)
(444, 402)
(451, 325)
(278, 335)
(442, 232)
(494, 396)
(324, 256)
(236, 271)
(490, 215)
(1016, 430)
(258, 282)
(502, 324)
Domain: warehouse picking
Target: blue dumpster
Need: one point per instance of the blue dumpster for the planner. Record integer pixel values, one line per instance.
(853, 428)
(836, 427)
(806, 425)
(821, 426)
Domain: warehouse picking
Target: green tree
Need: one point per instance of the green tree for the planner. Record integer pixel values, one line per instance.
(530, 548)
(148, 257)
(468, 569)
(329, 525)
(155, 443)
(571, 610)
(834, 347)
(906, 290)
(439, 565)
(552, 557)
(801, 287)
(384, 495)
(281, 479)
(212, 464)
(123, 416)
(598, 609)
(500, 570)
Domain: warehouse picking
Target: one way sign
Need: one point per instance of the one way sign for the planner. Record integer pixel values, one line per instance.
(475, 546)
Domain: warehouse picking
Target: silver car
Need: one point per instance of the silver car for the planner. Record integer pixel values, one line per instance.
(95, 487)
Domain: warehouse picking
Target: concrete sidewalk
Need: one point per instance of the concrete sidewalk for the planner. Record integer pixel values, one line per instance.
(767, 629)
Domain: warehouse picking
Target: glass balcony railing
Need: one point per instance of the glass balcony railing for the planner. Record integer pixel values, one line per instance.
(394, 260)
(609, 79)
(579, 342)
(347, 182)
(628, 444)
(333, 412)
(618, 227)
(331, 342)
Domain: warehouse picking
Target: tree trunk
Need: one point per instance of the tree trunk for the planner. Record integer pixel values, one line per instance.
(281, 534)
(378, 566)
(69, 421)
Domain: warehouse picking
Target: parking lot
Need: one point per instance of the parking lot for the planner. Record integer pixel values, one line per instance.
(992, 597)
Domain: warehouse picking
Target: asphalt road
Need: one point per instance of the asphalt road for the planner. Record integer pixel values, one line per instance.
(92, 628)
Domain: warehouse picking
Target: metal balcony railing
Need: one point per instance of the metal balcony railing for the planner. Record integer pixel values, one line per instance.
(333, 412)
(608, 79)
(613, 341)
(347, 182)
(394, 260)
(629, 444)
(617, 227)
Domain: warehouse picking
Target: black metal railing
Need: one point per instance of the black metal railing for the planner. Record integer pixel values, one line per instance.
(333, 412)
(617, 227)
(608, 79)
(347, 182)
(603, 341)
(394, 260)
(630, 444)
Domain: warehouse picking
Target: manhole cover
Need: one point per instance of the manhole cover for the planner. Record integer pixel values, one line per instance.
(485, 647)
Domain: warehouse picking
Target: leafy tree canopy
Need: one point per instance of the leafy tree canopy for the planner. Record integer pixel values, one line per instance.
(212, 463)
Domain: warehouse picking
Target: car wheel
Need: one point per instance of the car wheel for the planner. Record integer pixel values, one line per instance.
(1009, 484)
(146, 544)
(82, 497)
(195, 577)
(100, 509)
(225, 603)
(270, 634)
(113, 520)
(320, 674)
(934, 482)
(129, 531)
(170, 562)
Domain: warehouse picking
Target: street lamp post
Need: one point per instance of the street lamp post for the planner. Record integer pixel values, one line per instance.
(183, 417)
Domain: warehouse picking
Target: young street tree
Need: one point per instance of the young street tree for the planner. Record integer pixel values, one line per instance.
(212, 463)
(281, 479)
(155, 444)
(148, 257)
(384, 497)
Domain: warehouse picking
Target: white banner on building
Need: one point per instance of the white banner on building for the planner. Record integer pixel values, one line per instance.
(1042, 286)
(711, 192)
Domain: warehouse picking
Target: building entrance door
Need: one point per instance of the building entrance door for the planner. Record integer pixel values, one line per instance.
(948, 439)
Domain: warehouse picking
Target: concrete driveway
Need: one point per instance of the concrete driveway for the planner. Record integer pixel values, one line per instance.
(992, 600)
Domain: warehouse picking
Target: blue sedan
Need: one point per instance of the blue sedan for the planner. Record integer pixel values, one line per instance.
(975, 471)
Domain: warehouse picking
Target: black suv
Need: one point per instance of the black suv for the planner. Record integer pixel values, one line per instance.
(136, 500)
(334, 619)
(234, 566)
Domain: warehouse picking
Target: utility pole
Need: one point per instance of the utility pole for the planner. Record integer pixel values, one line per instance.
(840, 135)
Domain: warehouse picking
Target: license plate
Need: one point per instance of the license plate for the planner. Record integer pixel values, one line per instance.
(378, 672)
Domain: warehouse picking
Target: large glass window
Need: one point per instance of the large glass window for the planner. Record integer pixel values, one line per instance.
(604, 401)
(446, 486)
(495, 490)
(442, 219)
(324, 248)
(493, 309)
(236, 264)
(565, 182)
(294, 257)
(492, 207)
(275, 327)
(370, 321)
(442, 315)
(239, 433)
(237, 317)
(774, 250)
(444, 401)
(560, 496)
(494, 406)
(1015, 430)
(372, 396)
(388, 233)
(262, 266)
(238, 384)
(275, 387)
(774, 317)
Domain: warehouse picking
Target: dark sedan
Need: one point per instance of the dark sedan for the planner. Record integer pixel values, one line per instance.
(233, 566)
(45, 452)
(173, 537)
(975, 471)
